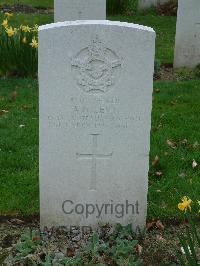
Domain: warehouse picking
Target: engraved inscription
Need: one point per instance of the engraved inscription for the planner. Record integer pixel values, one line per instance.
(100, 113)
(96, 67)
(94, 156)
(94, 113)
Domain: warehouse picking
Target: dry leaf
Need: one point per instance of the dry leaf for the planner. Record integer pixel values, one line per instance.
(25, 107)
(155, 161)
(3, 112)
(173, 103)
(157, 90)
(194, 164)
(36, 238)
(16, 221)
(182, 175)
(160, 225)
(150, 225)
(184, 141)
(160, 238)
(171, 144)
(159, 173)
(153, 224)
(70, 252)
(139, 249)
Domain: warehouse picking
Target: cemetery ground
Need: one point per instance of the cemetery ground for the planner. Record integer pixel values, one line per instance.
(175, 149)
(174, 139)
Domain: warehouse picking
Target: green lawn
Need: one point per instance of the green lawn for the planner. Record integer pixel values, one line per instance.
(164, 27)
(175, 116)
(19, 147)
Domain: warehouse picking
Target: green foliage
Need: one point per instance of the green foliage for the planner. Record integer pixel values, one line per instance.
(165, 27)
(190, 243)
(28, 244)
(118, 251)
(123, 232)
(17, 56)
(74, 261)
(122, 252)
(51, 261)
(121, 6)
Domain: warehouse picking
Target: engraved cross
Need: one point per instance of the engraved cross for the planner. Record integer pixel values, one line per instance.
(94, 156)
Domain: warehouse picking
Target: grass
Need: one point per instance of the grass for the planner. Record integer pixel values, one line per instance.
(19, 147)
(164, 26)
(175, 117)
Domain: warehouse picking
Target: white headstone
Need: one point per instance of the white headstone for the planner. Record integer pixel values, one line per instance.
(142, 4)
(67, 10)
(187, 44)
(96, 80)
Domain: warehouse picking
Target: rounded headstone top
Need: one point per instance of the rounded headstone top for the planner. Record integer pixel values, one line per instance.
(95, 22)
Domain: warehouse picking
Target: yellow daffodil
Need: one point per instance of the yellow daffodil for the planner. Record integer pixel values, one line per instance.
(185, 204)
(35, 28)
(9, 15)
(5, 23)
(25, 28)
(10, 31)
(34, 43)
(24, 40)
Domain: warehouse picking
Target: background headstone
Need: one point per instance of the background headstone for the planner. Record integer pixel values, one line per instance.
(142, 4)
(95, 119)
(67, 10)
(187, 44)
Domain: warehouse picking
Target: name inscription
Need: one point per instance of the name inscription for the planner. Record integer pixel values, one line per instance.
(93, 113)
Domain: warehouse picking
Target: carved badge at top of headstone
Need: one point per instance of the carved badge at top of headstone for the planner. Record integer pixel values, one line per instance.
(96, 67)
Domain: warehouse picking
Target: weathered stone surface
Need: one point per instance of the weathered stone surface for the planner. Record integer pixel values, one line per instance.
(96, 80)
(67, 10)
(187, 44)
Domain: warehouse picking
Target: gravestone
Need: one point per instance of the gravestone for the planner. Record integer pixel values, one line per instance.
(142, 4)
(67, 10)
(95, 119)
(187, 43)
